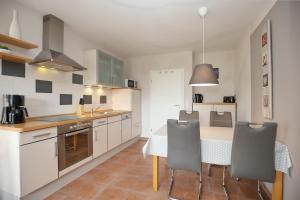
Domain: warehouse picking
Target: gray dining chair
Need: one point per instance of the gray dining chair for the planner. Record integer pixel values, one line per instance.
(220, 119)
(184, 149)
(188, 116)
(252, 155)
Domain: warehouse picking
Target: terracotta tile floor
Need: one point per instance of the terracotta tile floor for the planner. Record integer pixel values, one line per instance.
(128, 176)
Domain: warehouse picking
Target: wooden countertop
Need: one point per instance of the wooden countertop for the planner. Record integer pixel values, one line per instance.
(32, 124)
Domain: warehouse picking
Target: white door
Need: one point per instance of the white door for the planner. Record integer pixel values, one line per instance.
(166, 96)
(114, 134)
(39, 164)
(100, 140)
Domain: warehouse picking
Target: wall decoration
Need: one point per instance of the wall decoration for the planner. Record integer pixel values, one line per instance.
(13, 69)
(103, 99)
(65, 99)
(216, 71)
(266, 63)
(42, 86)
(77, 79)
(88, 99)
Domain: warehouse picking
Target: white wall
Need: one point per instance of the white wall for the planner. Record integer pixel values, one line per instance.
(285, 28)
(139, 68)
(225, 61)
(242, 80)
(74, 45)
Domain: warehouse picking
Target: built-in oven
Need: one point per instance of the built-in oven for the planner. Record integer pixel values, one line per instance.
(75, 145)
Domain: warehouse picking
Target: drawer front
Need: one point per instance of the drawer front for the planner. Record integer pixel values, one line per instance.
(99, 122)
(34, 136)
(114, 119)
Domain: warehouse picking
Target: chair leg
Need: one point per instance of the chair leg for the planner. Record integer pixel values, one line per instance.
(258, 191)
(224, 185)
(200, 186)
(171, 186)
(209, 169)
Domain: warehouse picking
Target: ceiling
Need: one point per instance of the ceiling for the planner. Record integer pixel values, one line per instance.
(140, 27)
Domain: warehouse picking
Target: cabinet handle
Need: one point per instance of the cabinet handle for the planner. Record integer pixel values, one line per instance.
(41, 135)
(55, 149)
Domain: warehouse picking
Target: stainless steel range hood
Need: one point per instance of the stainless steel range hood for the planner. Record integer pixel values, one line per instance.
(53, 39)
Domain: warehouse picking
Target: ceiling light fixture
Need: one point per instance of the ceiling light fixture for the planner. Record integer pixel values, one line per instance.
(203, 74)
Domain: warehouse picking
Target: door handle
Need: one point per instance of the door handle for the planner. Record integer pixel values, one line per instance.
(55, 149)
(41, 135)
(84, 131)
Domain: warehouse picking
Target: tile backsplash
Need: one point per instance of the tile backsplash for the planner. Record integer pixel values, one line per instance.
(49, 103)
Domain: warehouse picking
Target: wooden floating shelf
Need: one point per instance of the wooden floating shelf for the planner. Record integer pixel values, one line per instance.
(17, 42)
(14, 58)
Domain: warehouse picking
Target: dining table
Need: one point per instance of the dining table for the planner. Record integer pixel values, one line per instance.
(216, 144)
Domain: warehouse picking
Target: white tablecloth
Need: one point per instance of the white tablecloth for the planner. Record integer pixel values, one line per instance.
(216, 145)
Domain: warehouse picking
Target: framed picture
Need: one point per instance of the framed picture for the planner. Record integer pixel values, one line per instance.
(264, 59)
(216, 70)
(266, 63)
(265, 80)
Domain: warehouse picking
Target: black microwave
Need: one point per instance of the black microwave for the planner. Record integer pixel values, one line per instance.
(130, 83)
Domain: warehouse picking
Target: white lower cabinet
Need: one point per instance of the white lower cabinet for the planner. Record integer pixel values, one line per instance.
(39, 164)
(99, 140)
(114, 134)
(126, 130)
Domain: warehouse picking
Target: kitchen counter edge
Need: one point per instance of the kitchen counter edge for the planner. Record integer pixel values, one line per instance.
(32, 125)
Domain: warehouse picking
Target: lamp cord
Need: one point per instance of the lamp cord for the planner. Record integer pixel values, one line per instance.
(203, 39)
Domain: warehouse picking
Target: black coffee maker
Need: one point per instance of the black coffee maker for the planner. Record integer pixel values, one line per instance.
(14, 111)
(197, 98)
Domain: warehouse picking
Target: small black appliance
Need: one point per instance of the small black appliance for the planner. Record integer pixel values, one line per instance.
(229, 99)
(197, 98)
(14, 110)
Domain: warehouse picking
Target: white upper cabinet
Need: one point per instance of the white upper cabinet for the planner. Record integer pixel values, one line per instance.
(103, 69)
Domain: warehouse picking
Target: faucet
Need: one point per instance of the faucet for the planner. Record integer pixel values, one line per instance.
(95, 109)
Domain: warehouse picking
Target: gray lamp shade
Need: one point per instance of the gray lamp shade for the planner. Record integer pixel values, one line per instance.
(204, 75)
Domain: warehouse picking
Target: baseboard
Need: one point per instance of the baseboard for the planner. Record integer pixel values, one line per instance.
(265, 191)
(49, 189)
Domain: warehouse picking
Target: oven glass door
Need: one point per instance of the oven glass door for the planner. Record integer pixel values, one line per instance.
(74, 147)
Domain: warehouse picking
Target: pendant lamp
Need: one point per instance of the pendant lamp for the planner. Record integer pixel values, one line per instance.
(203, 74)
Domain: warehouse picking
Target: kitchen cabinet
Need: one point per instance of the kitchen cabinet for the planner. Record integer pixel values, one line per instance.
(114, 134)
(204, 110)
(126, 127)
(117, 72)
(102, 69)
(99, 137)
(129, 99)
(39, 164)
